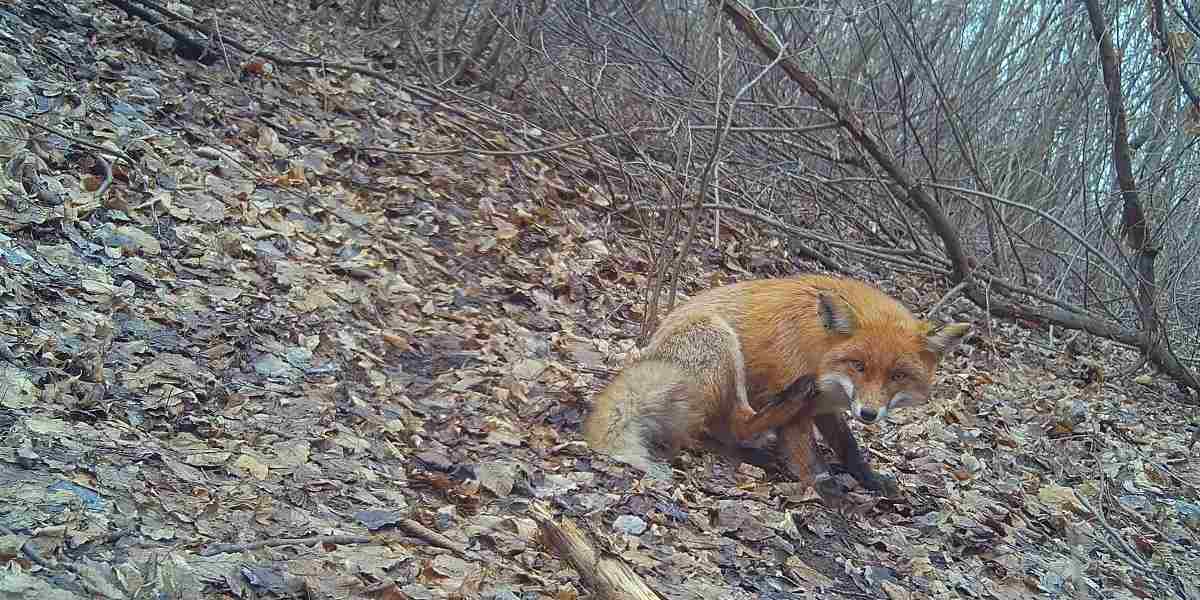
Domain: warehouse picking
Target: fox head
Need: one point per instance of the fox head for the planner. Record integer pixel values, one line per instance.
(880, 364)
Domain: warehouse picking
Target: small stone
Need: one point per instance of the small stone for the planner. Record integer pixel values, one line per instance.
(629, 524)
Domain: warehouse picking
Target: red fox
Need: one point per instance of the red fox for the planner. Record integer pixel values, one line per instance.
(740, 360)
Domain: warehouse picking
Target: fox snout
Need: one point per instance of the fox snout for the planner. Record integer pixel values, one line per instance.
(866, 405)
(874, 408)
(867, 414)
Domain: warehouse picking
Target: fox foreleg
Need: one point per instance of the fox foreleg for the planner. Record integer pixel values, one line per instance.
(837, 434)
(781, 409)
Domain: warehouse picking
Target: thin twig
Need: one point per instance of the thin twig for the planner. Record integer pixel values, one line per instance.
(30, 553)
(801, 232)
(408, 525)
(590, 139)
(102, 149)
(273, 542)
(1124, 549)
(945, 298)
(706, 175)
(431, 536)
(530, 152)
(1113, 270)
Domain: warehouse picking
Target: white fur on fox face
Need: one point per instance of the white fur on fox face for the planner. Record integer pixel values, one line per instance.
(901, 399)
(841, 381)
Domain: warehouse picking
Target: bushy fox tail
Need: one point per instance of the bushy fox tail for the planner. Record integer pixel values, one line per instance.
(643, 416)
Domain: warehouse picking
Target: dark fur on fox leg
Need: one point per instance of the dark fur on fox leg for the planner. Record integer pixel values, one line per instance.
(803, 389)
(763, 457)
(763, 454)
(769, 459)
(759, 451)
(838, 436)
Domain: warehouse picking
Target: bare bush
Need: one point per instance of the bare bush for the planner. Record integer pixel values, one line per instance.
(996, 114)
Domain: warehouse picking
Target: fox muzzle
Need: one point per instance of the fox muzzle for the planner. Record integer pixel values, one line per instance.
(867, 414)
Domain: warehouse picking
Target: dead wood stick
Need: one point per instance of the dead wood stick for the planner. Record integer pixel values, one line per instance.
(608, 576)
(416, 529)
(410, 526)
(30, 552)
(185, 47)
(100, 149)
(308, 541)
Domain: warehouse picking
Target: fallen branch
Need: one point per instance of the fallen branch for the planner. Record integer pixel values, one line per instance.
(274, 542)
(185, 47)
(409, 526)
(606, 575)
(65, 136)
(434, 538)
(748, 23)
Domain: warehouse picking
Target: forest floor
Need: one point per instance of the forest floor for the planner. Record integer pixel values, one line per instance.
(276, 357)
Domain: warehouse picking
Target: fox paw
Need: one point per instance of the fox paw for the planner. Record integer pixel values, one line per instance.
(653, 469)
(829, 489)
(776, 400)
(886, 485)
(657, 471)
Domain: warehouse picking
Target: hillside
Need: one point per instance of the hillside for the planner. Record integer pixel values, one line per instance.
(272, 333)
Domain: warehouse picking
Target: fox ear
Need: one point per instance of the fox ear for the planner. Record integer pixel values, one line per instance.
(945, 338)
(835, 316)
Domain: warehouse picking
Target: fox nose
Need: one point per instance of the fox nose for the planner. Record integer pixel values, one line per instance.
(868, 415)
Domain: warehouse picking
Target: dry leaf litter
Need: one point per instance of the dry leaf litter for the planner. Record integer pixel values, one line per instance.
(271, 358)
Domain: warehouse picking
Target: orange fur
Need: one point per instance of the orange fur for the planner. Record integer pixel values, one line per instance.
(732, 358)
(783, 337)
(688, 387)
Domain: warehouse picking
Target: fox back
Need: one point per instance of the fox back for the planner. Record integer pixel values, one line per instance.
(867, 351)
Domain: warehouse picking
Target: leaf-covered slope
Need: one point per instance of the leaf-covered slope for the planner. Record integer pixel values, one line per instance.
(274, 355)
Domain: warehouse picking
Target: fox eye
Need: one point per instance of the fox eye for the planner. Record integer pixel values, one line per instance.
(857, 365)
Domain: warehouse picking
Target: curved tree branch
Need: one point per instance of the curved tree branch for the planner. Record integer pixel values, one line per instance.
(1134, 226)
(747, 22)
